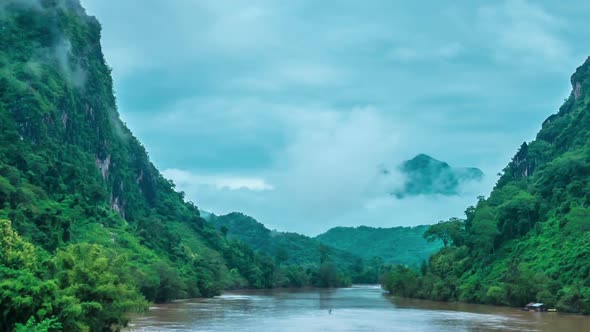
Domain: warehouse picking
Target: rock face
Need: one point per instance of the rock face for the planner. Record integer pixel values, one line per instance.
(428, 176)
(71, 172)
(61, 102)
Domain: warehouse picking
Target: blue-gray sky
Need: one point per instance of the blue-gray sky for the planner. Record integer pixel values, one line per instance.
(286, 110)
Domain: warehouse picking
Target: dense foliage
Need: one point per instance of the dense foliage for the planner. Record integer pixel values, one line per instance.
(84, 287)
(95, 230)
(530, 240)
(318, 265)
(396, 245)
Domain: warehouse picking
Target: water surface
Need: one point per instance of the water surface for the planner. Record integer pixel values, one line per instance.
(359, 308)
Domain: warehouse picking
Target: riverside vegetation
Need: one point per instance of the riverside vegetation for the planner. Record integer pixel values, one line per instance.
(89, 229)
(530, 239)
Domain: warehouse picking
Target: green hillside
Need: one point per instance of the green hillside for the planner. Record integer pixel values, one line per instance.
(90, 229)
(530, 240)
(396, 245)
(293, 250)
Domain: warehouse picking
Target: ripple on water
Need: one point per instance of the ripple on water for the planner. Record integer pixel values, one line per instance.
(360, 308)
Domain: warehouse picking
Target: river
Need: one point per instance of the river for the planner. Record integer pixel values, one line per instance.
(359, 308)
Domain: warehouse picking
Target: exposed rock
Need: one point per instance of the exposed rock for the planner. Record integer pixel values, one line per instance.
(116, 206)
(64, 118)
(103, 166)
(139, 177)
(577, 90)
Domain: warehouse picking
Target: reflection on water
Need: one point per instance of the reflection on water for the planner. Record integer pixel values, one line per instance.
(359, 308)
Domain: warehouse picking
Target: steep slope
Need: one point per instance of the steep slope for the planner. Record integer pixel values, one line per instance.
(396, 245)
(530, 240)
(288, 248)
(72, 174)
(429, 176)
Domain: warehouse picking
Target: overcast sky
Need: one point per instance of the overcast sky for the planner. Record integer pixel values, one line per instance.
(286, 110)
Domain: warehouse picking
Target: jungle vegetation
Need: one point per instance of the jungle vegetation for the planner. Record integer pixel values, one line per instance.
(530, 239)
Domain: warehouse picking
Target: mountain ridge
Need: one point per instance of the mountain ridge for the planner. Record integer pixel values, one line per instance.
(426, 175)
(302, 249)
(394, 245)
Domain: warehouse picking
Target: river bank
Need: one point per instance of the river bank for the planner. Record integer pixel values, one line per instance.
(358, 308)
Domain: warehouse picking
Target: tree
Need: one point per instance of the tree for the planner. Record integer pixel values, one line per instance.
(95, 288)
(281, 256)
(22, 293)
(327, 275)
(483, 231)
(324, 254)
(46, 325)
(224, 230)
(451, 232)
(402, 281)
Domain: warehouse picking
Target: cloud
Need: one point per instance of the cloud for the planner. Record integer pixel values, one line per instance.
(520, 31)
(329, 172)
(287, 111)
(331, 165)
(75, 74)
(186, 179)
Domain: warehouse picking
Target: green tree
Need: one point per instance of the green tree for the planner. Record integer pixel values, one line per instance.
(46, 325)
(451, 232)
(95, 288)
(483, 231)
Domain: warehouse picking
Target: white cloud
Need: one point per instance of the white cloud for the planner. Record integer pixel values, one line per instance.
(189, 180)
(326, 169)
(287, 110)
(332, 163)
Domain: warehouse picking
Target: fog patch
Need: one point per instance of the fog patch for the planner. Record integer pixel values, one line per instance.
(188, 180)
(59, 56)
(60, 53)
(333, 161)
(71, 70)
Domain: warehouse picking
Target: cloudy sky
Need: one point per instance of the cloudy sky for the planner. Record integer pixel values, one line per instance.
(286, 110)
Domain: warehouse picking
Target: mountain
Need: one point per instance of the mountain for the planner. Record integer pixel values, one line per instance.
(530, 239)
(397, 245)
(428, 176)
(90, 229)
(287, 248)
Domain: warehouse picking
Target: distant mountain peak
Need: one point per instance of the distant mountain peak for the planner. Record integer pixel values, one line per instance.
(423, 160)
(426, 175)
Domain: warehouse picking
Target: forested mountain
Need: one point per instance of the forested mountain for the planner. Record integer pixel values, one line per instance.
(297, 253)
(396, 245)
(428, 176)
(287, 248)
(530, 240)
(90, 229)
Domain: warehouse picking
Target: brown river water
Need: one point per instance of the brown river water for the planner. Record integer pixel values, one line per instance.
(359, 308)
